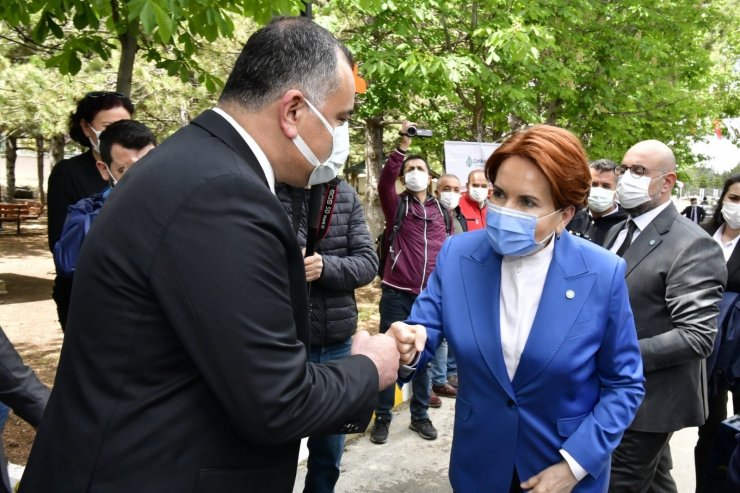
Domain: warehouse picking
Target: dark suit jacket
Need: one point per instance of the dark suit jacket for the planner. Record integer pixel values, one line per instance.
(733, 266)
(22, 391)
(675, 275)
(184, 365)
(701, 214)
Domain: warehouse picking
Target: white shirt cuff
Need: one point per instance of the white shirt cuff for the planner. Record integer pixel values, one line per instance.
(578, 471)
(405, 370)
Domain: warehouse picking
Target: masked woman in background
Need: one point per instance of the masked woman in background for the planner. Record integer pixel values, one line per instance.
(77, 177)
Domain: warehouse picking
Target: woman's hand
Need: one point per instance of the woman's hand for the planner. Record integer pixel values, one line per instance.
(410, 339)
(554, 479)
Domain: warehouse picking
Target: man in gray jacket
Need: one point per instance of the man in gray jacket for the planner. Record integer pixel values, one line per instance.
(675, 275)
(345, 260)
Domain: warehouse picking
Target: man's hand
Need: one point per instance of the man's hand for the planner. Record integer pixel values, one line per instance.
(381, 349)
(554, 479)
(314, 266)
(405, 139)
(410, 339)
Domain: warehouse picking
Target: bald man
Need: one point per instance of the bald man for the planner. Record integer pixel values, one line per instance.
(675, 276)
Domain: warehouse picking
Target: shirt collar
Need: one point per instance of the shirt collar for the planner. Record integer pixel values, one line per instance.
(727, 244)
(259, 154)
(643, 220)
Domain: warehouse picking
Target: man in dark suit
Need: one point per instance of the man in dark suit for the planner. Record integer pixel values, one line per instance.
(184, 366)
(21, 390)
(675, 275)
(694, 212)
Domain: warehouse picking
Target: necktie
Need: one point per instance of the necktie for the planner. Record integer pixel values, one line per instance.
(693, 214)
(627, 239)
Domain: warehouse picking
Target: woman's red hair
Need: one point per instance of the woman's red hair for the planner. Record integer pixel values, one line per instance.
(557, 153)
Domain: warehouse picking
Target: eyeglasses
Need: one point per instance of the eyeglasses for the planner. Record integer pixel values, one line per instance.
(102, 94)
(636, 170)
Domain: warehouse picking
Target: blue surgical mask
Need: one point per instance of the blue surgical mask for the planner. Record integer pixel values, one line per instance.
(328, 170)
(511, 232)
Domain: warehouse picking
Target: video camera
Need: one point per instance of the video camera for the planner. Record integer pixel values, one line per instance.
(412, 131)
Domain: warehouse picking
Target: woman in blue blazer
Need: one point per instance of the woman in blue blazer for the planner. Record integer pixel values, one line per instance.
(548, 362)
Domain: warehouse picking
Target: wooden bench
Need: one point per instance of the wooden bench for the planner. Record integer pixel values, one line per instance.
(17, 212)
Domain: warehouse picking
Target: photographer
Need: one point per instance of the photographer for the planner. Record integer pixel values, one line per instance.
(411, 258)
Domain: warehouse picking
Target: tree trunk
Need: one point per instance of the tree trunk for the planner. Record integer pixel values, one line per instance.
(129, 47)
(11, 153)
(373, 165)
(56, 148)
(40, 168)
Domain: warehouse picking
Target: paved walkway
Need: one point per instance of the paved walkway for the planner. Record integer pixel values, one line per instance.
(409, 464)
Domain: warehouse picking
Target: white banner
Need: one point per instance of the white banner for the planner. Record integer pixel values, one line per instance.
(463, 157)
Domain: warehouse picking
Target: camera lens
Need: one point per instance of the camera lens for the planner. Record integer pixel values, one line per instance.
(411, 131)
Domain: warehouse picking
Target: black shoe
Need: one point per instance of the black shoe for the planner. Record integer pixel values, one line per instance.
(379, 433)
(424, 428)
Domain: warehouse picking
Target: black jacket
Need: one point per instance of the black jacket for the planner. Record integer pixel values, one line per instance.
(21, 390)
(184, 366)
(594, 229)
(349, 259)
(70, 181)
(733, 264)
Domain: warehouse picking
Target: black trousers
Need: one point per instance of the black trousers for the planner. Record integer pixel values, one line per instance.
(708, 434)
(515, 482)
(642, 463)
(62, 294)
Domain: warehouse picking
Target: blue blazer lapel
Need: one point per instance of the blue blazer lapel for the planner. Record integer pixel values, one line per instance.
(567, 287)
(482, 283)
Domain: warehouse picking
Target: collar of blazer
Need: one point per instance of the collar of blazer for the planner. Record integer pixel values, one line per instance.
(733, 263)
(216, 125)
(568, 274)
(649, 239)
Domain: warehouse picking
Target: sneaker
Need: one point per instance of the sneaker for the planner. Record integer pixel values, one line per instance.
(424, 428)
(434, 401)
(445, 390)
(379, 433)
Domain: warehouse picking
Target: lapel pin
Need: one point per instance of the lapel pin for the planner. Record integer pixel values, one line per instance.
(570, 294)
(652, 242)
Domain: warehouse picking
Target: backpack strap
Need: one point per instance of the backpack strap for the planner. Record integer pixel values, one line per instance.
(401, 211)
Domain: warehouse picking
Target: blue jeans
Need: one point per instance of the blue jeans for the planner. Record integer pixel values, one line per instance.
(325, 452)
(394, 306)
(451, 363)
(4, 411)
(438, 369)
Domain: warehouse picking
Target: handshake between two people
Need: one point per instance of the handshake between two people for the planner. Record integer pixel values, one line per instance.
(399, 345)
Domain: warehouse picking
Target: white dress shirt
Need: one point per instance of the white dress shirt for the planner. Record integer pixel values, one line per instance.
(642, 221)
(727, 247)
(259, 154)
(522, 281)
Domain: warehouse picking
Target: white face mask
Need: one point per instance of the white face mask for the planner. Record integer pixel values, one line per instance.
(96, 144)
(600, 199)
(478, 194)
(111, 178)
(324, 172)
(416, 180)
(731, 213)
(633, 192)
(449, 200)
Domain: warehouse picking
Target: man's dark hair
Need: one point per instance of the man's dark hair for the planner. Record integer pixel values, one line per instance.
(288, 53)
(129, 134)
(89, 106)
(411, 157)
(602, 165)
